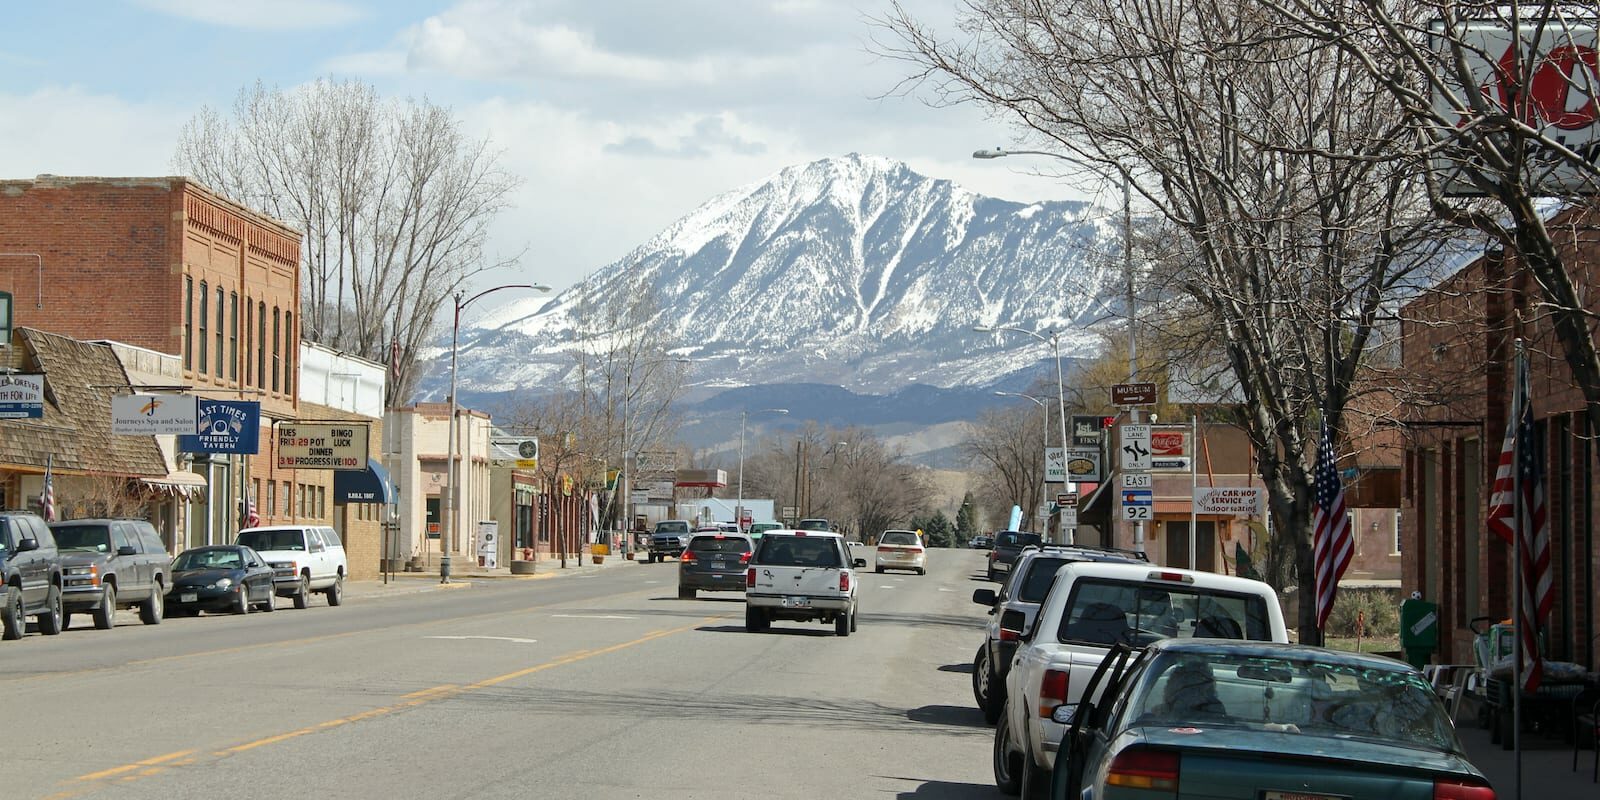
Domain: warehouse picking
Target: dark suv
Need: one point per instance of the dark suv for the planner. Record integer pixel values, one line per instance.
(109, 564)
(32, 573)
(714, 562)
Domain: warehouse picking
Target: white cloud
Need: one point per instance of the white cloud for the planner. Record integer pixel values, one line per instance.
(267, 15)
(70, 131)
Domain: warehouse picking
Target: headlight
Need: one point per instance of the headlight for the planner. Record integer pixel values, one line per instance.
(224, 583)
(88, 569)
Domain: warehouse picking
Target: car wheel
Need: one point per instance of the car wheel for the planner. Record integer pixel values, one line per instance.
(921, 571)
(980, 680)
(66, 620)
(1007, 762)
(15, 623)
(336, 591)
(1035, 779)
(50, 619)
(994, 703)
(841, 624)
(241, 601)
(685, 593)
(105, 617)
(150, 611)
(754, 620)
(854, 616)
(271, 604)
(878, 570)
(993, 576)
(302, 594)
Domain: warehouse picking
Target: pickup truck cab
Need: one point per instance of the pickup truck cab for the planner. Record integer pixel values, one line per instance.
(668, 539)
(1090, 608)
(304, 559)
(801, 575)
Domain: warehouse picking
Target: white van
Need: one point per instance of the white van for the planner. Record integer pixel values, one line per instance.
(304, 559)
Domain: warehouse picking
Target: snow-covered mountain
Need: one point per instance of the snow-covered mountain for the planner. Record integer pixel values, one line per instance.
(853, 272)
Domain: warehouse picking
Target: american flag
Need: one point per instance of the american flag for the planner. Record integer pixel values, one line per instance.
(251, 517)
(1517, 515)
(1331, 543)
(47, 498)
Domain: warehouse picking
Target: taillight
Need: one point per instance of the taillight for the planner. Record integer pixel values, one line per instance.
(744, 558)
(1142, 768)
(1053, 691)
(915, 548)
(1455, 790)
(991, 555)
(844, 581)
(1008, 635)
(750, 577)
(688, 557)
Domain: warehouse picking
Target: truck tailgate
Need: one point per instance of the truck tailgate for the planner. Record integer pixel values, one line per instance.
(807, 581)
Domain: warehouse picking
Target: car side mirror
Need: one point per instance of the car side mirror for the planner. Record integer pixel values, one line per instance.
(27, 544)
(1063, 714)
(984, 597)
(1012, 621)
(860, 562)
(127, 550)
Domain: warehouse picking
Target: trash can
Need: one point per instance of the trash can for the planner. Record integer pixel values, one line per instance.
(1419, 630)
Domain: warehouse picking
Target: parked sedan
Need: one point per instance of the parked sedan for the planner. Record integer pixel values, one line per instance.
(714, 562)
(901, 550)
(219, 578)
(1259, 721)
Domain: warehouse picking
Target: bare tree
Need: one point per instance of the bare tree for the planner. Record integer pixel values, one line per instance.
(1006, 445)
(394, 199)
(1275, 162)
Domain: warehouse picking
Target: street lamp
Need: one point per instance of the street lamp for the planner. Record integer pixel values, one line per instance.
(1053, 336)
(447, 530)
(627, 468)
(1127, 268)
(738, 509)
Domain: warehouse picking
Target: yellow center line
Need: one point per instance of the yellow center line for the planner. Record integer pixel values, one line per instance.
(143, 769)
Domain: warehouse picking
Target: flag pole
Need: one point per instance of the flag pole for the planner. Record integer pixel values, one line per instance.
(1520, 520)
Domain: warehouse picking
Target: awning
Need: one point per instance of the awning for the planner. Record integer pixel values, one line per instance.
(181, 482)
(370, 485)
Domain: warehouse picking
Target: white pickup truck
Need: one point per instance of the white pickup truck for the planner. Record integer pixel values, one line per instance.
(1090, 607)
(801, 575)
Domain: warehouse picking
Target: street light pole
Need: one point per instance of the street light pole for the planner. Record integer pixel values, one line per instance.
(447, 528)
(1127, 268)
(738, 509)
(1054, 338)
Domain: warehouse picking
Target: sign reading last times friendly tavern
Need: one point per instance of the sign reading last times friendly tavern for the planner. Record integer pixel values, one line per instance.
(340, 445)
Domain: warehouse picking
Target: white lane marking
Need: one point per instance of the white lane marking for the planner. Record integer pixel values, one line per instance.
(492, 638)
(945, 589)
(590, 616)
(886, 586)
(652, 581)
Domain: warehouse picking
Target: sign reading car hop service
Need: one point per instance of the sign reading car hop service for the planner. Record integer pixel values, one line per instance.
(339, 445)
(154, 414)
(1240, 500)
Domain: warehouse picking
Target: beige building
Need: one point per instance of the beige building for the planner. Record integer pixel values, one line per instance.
(415, 452)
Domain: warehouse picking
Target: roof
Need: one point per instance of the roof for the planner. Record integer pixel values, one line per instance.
(1249, 648)
(75, 431)
(1142, 572)
(793, 532)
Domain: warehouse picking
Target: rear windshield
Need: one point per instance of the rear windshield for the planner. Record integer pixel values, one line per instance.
(273, 540)
(798, 551)
(813, 525)
(1041, 573)
(719, 544)
(1015, 539)
(1106, 612)
(898, 537)
(89, 538)
(672, 527)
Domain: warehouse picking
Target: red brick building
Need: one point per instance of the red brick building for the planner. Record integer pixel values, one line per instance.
(1458, 349)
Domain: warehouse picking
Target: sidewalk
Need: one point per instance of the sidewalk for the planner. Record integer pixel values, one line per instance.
(1546, 764)
(464, 573)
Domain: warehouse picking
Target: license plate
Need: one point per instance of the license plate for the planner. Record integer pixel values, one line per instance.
(1272, 794)
(719, 565)
(796, 602)
(188, 598)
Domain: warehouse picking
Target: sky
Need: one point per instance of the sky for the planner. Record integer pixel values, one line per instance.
(617, 116)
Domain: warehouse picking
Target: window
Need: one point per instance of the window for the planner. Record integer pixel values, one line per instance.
(322, 501)
(291, 344)
(277, 342)
(261, 345)
(233, 336)
(188, 322)
(249, 339)
(255, 495)
(1396, 531)
(288, 500)
(220, 318)
(205, 299)
(271, 508)
(300, 499)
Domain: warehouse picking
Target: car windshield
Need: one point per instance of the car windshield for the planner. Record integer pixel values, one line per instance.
(1106, 612)
(672, 527)
(208, 559)
(1015, 539)
(798, 551)
(87, 538)
(1307, 696)
(898, 537)
(719, 544)
(812, 525)
(262, 541)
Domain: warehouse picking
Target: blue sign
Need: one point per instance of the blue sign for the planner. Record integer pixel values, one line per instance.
(1138, 497)
(225, 426)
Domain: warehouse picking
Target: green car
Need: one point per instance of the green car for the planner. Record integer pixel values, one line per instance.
(1238, 720)
(759, 528)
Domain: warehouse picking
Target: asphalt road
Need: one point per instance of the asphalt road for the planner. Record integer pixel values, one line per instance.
(594, 685)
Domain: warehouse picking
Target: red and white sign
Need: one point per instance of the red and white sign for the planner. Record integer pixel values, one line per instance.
(1169, 443)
